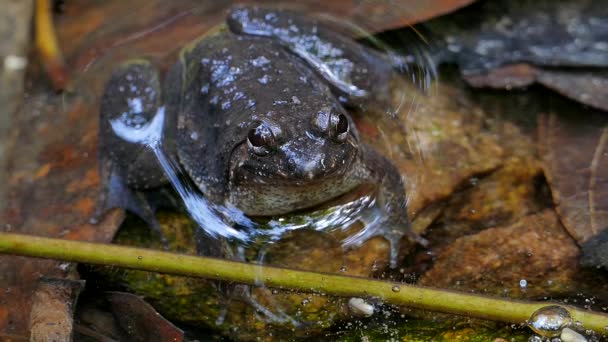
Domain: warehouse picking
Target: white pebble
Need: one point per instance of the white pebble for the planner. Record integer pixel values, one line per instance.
(569, 335)
(359, 306)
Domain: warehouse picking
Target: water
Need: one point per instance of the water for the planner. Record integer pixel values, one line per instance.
(442, 130)
(209, 217)
(225, 220)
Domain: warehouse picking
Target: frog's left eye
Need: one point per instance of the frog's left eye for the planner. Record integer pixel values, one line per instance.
(339, 127)
(261, 140)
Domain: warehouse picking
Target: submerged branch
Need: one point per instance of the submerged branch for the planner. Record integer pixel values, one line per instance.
(395, 293)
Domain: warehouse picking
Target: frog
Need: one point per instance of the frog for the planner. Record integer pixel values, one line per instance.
(259, 116)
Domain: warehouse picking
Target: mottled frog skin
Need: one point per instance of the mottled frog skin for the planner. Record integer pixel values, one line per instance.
(256, 116)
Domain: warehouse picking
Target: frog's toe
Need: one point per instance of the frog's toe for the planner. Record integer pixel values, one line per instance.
(393, 233)
(263, 313)
(269, 316)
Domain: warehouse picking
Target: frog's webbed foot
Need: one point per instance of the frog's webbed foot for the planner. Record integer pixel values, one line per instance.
(377, 224)
(388, 217)
(264, 313)
(117, 194)
(240, 292)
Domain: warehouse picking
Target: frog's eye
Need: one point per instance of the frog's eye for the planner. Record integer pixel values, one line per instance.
(339, 127)
(260, 139)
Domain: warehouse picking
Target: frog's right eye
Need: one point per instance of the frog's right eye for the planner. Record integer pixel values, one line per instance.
(261, 140)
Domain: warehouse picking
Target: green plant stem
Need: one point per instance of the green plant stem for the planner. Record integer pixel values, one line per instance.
(414, 296)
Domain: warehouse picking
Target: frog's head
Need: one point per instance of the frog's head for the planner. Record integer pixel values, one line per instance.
(280, 149)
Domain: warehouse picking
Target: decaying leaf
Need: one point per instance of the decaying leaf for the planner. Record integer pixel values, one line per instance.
(141, 321)
(575, 161)
(590, 88)
(572, 34)
(516, 43)
(53, 308)
(14, 32)
(52, 191)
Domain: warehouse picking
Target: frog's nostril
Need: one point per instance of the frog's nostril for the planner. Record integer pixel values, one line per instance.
(306, 167)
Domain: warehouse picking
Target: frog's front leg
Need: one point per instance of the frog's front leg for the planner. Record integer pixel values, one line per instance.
(393, 222)
(132, 96)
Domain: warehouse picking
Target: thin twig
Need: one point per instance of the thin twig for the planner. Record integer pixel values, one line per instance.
(396, 293)
(48, 47)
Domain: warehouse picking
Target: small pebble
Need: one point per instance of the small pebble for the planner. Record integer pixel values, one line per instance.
(569, 335)
(360, 307)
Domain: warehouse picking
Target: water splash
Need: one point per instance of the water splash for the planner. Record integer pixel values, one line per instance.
(220, 220)
(227, 221)
(207, 215)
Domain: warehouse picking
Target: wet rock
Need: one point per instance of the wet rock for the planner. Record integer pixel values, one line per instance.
(438, 141)
(512, 191)
(531, 258)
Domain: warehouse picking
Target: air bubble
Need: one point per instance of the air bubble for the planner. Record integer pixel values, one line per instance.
(550, 320)
(396, 288)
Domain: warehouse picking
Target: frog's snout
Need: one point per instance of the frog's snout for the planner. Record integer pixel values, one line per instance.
(308, 166)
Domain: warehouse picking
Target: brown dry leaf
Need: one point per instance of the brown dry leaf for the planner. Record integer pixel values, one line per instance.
(91, 35)
(517, 42)
(51, 191)
(574, 148)
(141, 321)
(53, 308)
(590, 88)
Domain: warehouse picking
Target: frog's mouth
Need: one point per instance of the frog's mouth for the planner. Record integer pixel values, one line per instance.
(283, 169)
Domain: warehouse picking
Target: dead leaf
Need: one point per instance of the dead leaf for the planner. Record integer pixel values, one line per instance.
(590, 88)
(141, 321)
(575, 161)
(515, 43)
(53, 308)
(541, 33)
